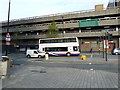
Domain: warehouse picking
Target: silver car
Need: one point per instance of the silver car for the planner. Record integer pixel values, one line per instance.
(116, 51)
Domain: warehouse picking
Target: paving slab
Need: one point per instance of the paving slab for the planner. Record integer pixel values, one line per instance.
(36, 74)
(61, 78)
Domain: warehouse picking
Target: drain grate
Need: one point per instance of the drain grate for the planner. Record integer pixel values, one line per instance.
(34, 71)
(38, 60)
(42, 71)
(16, 64)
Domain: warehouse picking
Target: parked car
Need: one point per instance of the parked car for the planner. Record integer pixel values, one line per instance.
(116, 51)
(35, 53)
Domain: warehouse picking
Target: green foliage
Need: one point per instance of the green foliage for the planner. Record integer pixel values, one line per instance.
(52, 30)
(16, 41)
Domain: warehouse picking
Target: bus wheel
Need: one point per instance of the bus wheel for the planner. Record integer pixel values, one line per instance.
(68, 54)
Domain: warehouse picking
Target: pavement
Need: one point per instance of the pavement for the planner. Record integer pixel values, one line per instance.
(31, 77)
(40, 76)
(0, 84)
(0, 69)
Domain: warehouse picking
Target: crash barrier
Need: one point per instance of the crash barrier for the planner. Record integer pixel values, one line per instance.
(46, 56)
(83, 57)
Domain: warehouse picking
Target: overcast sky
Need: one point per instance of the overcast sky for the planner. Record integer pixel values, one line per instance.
(30, 8)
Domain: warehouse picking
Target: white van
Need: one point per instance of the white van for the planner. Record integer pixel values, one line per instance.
(34, 53)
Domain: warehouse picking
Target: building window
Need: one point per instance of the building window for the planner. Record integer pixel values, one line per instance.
(94, 44)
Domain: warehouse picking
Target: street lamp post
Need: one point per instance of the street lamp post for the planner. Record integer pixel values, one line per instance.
(63, 27)
(8, 29)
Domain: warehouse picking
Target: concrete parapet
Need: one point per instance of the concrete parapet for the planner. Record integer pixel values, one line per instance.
(69, 15)
(4, 69)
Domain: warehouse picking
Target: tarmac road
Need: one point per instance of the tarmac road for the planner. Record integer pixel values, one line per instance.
(96, 62)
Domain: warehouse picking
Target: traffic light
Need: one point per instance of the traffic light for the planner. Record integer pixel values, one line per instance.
(97, 42)
(110, 37)
(100, 39)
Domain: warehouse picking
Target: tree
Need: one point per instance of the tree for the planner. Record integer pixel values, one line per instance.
(16, 41)
(52, 30)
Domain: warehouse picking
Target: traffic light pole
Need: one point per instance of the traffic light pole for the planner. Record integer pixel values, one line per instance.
(106, 43)
(103, 45)
(99, 48)
(63, 27)
(106, 53)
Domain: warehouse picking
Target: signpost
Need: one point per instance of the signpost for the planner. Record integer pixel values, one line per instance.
(106, 44)
(8, 38)
(106, 41)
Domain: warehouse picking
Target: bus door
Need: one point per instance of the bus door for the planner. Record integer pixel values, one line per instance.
(70, 48)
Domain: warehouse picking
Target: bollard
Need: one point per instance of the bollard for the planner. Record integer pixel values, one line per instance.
(83, 57)
(91, 56)
(46, 56)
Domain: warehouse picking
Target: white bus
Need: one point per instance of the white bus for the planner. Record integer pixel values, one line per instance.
(67, 46)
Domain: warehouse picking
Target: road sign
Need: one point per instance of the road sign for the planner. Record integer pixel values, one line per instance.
(106, 44)
(107, 27)
(8, 38)
(7, 43)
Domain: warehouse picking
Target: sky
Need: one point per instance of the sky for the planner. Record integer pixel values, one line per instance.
(30, 8)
